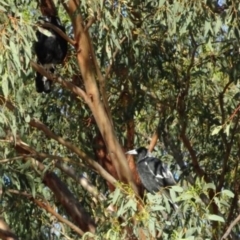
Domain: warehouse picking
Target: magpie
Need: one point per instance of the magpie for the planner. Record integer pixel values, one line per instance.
(152, 172)
(50, 49)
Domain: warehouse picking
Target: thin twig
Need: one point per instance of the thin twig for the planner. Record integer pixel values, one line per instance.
(11, 159)
(231, 227)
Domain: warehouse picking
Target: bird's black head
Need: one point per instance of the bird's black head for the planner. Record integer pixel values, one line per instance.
(142, 152)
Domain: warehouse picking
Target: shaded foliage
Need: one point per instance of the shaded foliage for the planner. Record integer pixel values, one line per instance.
(170, 67)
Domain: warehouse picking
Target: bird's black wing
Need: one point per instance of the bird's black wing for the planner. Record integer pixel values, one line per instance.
(147, 176)
(160, 172)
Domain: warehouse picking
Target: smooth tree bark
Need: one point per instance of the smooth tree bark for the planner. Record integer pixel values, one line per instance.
(85, 57)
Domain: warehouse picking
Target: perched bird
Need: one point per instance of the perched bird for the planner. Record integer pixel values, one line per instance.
(50, 49)
(153, 173)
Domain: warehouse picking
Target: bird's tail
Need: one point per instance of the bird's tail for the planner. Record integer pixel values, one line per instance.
(41, 82)
(172, 204)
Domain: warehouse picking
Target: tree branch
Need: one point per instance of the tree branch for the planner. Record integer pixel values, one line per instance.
(84, 182)
(39, 125)
(175, 150)
(228, 146)
(42, 127)
(68, 85)
(86, 64)
(153, 141)
(59, 31)
(49, 209)
(231, 227)
(61, 192)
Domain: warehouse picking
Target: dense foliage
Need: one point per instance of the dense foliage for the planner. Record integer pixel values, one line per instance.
(171, 66)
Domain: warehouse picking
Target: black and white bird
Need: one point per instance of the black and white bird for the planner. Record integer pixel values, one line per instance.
(50, 49)
(152, 172)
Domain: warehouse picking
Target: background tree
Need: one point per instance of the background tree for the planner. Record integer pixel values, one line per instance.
(136, 72)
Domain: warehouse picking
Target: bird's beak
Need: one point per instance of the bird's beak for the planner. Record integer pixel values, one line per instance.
(133, 152)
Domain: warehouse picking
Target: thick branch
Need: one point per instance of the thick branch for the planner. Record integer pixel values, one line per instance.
(101, 81)
(86, 64)
(70, 203)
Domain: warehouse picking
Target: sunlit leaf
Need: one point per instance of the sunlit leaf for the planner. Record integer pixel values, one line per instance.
(228, 193)
(214, 217)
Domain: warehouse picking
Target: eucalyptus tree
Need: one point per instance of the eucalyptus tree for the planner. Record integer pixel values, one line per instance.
(161, 74)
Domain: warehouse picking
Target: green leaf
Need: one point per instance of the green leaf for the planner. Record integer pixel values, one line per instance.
(214, 217)
(184, 196)
(172, 195)
(157, 208)
(27, 118)
(161, 2)
(130, 204)
(209, 186)
(177, 188)
(151, 227)
(216, 130)
(116, 195)
(2, 9)
(227, 129)
(5, 86)
(190, 232)
(228, 193)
